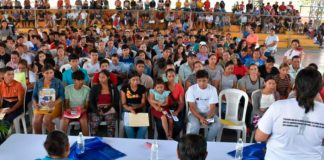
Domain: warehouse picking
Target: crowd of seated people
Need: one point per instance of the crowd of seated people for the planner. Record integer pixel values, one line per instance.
(283, 17)
(109, 72)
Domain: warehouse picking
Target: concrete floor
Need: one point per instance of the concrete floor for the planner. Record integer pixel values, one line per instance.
(315, 55)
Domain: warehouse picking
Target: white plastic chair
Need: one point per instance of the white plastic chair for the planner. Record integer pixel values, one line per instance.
(65, 67)
(233, 97)
(21, 117)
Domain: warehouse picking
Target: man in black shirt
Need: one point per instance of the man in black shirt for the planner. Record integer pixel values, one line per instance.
(4, 57)
(268, 68)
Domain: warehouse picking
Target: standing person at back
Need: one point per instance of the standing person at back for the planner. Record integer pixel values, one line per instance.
(294, 128)
(202, 98)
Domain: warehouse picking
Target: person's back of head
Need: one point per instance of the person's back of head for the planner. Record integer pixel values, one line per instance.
(192, 147)
(308, 83)
(57, 145)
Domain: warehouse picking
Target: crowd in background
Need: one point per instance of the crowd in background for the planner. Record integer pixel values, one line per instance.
(110, 72)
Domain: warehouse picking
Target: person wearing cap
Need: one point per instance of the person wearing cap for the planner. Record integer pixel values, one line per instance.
(202, 55)
(271, 42)
(126, 58)
(268, 69)
(186, 69)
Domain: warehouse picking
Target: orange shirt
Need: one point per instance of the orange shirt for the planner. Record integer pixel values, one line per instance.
(11, 91)
(252, 39)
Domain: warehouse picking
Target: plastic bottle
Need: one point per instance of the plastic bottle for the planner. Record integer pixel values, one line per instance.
(239, 149)
(80, 143)
(154, 151)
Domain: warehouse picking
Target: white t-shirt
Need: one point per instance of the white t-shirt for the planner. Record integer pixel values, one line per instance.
(84, 15)
(209, 18)
(291, 53)
(91, 68)
(269, 40)
(294, 134)
(27, 57)
(266, 100)
(202, 97)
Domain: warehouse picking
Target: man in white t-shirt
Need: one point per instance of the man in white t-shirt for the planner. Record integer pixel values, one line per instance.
(202, 99)
(294, 128)
(92, 66)
(295, 50)
(271, 42)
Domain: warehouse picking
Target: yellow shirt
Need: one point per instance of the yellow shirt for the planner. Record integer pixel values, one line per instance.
(178, 5)
(200, 4)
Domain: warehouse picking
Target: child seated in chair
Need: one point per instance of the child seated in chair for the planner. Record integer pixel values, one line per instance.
(158, 99)
(76, 103)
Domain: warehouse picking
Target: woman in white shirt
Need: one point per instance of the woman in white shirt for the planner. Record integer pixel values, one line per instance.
(294, 128)
(296, 50)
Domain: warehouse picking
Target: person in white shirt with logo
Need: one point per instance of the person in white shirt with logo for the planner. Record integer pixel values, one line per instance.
(202, 99)
(296, 50)
(294, 128)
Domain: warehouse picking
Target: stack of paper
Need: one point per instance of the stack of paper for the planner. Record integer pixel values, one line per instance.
(136, 120)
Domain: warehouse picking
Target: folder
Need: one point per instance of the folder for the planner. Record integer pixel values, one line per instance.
(227, 122)
(136, 120)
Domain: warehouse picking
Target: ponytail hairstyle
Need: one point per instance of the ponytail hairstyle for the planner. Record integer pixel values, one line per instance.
(307, 84)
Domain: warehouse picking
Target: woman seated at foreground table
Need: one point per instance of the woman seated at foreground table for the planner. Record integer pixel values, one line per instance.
(294, 127)
(57, 146)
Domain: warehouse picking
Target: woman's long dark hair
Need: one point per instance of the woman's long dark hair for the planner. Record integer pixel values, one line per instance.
(107, 74)
(308, 84)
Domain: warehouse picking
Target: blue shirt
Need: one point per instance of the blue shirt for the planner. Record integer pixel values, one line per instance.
(258, 62)
(119, 68)
(49, 158)
(56, 84)
(111, 51)
(158, 51)
(67, 76)
(127, 62)
(34, 48)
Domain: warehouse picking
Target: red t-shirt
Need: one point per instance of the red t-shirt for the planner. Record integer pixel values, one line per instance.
(322, 93)
(176, 94)
(207, 5)
(282, 8)
(112, 76)
(240, 71)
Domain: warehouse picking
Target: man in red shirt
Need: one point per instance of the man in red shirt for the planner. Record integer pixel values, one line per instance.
(282, 8)
(104, 65)
(207, 5)
(290, 6)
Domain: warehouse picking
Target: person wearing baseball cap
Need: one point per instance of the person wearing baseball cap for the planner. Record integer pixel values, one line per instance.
(186, 69)
(202, 55)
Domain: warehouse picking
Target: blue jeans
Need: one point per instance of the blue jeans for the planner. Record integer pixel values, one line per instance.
(135, 132)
